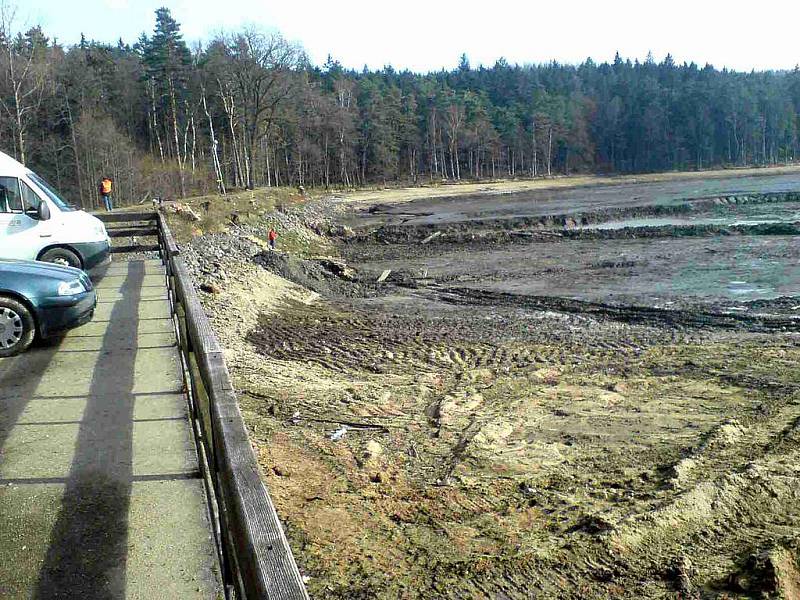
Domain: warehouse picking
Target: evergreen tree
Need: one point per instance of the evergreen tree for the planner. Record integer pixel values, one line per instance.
(167, 60)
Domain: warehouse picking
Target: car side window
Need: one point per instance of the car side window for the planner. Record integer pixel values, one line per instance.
(30, 200)
(10, 198)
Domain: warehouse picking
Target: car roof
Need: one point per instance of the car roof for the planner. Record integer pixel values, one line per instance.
(10, 167)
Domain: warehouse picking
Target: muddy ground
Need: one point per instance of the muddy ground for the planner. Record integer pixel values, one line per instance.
(538, 415)
(625, 194)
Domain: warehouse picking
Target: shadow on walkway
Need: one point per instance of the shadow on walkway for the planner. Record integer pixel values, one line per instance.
(89, 543)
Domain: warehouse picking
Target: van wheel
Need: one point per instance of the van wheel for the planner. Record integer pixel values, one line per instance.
(17, 327)
(61, 256)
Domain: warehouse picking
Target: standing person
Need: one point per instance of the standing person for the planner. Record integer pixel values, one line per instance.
(273, 235)
(105, 192)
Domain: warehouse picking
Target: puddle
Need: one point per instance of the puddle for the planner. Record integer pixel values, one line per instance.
(727, 216)
(727, 221)
(631, 271)
(747, 290)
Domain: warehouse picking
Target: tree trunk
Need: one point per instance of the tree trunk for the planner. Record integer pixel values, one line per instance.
(156, 127)
(229, 106)
(75, 149)
(266, 158)
(433, 143)
(327, 164)
(174, 107)
(214, 153)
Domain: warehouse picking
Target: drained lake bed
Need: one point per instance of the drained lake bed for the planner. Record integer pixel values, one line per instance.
(598, 400)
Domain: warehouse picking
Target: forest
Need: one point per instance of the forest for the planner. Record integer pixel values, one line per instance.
(249, 109)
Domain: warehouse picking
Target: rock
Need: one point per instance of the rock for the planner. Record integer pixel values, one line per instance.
(185, 211)
(342, 231)
(210, 288)
(280, 471)
(771, 573)
(373, 450)
(371, 458)
(338, 267)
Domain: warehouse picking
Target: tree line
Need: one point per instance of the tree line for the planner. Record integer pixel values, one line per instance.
(249, 109)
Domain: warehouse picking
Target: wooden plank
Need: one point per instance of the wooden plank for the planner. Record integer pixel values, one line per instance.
(169, 241)
(126, 217)
(431, 237)
(267, 566)
(202, 336)
(135, 248)
(115, 232)
(202, 406)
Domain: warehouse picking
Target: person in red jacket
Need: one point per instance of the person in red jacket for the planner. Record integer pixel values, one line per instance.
(273, 235)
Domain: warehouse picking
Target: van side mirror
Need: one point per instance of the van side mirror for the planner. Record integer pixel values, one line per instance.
(43, 212)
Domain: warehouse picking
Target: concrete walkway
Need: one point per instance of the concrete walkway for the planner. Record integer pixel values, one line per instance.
(100, 493)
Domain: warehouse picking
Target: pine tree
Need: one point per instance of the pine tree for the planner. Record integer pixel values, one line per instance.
(167, 59)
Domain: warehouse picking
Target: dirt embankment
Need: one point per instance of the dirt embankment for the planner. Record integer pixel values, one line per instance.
(426, 440)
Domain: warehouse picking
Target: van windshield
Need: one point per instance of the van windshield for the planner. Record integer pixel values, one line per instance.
(45, 187)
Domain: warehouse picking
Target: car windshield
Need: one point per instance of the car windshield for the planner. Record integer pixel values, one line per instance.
(47, 189)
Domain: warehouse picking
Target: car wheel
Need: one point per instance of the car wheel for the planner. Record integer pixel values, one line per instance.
(61, 256)
(17, 327)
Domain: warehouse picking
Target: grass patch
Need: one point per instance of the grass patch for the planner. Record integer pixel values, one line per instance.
(217, 213)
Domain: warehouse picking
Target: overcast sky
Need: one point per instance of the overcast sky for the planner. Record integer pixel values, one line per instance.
(424, 35)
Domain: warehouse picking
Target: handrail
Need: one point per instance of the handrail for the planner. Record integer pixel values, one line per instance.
(127, 217)
(128, 228)
(256, 559)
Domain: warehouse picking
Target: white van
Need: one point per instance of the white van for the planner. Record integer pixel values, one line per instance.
(36, 224)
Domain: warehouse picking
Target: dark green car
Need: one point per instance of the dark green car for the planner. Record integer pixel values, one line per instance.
(41, 298)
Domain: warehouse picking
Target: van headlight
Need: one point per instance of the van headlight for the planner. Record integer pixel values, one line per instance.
(70, 288)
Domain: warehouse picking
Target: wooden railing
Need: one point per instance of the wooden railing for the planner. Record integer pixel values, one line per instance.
(138, 227)
(256, 559)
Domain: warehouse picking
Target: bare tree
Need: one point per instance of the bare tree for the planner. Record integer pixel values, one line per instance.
(454, 117)
(261, 70)
(23, 78)
(345, 126)
(214, 145)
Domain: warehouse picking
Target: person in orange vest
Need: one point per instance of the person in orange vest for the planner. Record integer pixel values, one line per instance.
(105, 192)
(273, 235)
